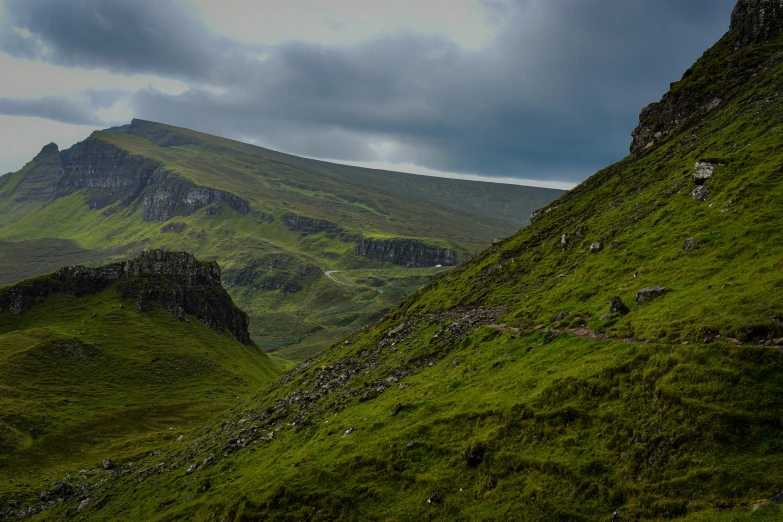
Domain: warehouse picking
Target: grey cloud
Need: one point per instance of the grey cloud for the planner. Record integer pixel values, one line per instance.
(555, 96)
(128, 36)
(52, 108)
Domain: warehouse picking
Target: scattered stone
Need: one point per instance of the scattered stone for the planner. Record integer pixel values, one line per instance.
(397, 409)
(714, 104)
(689, 243)
(492, 483)
(474, 455)
(579, 234)
(596, 247)
(728, 206)
(647, 294)
(173, 228)
(777, 498)
(702, 172)
(778, 342)
(701, 193)
(434, 498)
(615, 245)
(559, 317)
(84, 503)
(618, 306)
(535, 216)
(108, 464)
(564, 242)
(497, 241)
(349, 431)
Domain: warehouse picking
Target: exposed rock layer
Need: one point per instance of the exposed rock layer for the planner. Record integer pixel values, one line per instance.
(177, 280)
(406, 252)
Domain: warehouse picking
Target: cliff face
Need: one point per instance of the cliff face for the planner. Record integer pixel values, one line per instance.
(111, 176)
(729, 64)
(409, 253)
(308, 224)
(176, 280)
(169, 195)
(755, 21)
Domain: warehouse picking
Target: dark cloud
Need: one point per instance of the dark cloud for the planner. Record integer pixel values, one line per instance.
(555, 97)
(51, 108)
(127, 36)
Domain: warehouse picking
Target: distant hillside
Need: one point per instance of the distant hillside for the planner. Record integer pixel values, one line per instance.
(110, 362)
(275, 222)
(618, 360)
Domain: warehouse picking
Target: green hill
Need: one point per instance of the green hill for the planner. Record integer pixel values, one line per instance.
(275, 222)
(619, 359)
(114, 361)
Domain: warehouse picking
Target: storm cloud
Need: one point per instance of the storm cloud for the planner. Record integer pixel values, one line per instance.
(554, 96)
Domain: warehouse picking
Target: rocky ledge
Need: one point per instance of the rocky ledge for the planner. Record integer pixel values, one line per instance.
(176, 280)
(752, 22)
(309, 224)
(409, 253)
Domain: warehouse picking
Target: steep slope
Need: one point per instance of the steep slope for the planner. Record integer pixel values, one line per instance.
(116, 360)
(619, 359)
(275, 222)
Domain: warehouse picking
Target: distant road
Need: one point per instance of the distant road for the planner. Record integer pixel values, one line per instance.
(330, 276)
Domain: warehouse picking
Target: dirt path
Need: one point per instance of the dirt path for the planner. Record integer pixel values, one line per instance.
(329, 273)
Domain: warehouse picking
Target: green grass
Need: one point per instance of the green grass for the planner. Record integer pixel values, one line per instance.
(83, 379)
(655, 422)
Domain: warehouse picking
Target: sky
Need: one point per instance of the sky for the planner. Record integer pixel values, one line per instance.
(538, 92)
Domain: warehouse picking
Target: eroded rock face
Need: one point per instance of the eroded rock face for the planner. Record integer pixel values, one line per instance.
(752, 22)
(177, 280)
(406, 252)
(309, 224)
(756, 21)
(168, 195)
(116, 178)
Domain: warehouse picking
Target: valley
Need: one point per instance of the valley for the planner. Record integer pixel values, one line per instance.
(275, 223)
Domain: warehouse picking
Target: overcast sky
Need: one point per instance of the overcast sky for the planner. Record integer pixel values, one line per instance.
(516, 90)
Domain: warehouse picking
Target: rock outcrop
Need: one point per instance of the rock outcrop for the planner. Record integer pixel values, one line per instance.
(702, 172)
(752, 22)
(110, 176)
(646, 295)
(176, 280)
(168, 195)
(308, 224)
(409, 253)
(756, 21)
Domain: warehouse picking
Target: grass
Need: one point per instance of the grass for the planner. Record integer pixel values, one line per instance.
(435, 412)
(83, 379)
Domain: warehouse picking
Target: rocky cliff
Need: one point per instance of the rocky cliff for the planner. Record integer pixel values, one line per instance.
(112, 176)
(309, 224)
(176, 280)
(409, 253)
(728, 65)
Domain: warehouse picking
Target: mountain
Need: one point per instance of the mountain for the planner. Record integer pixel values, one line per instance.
(275, 223)
(618, 359)
(116, 360)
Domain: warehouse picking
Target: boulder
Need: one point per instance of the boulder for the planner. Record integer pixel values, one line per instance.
(689, 244)
(701, 193)
(564, 242)
(702, 172)
(618, 306)
(649, 293)
(596, 247)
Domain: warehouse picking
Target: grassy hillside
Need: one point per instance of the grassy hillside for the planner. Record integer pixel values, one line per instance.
(92, 377)
(518, 386)
(39, 215)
